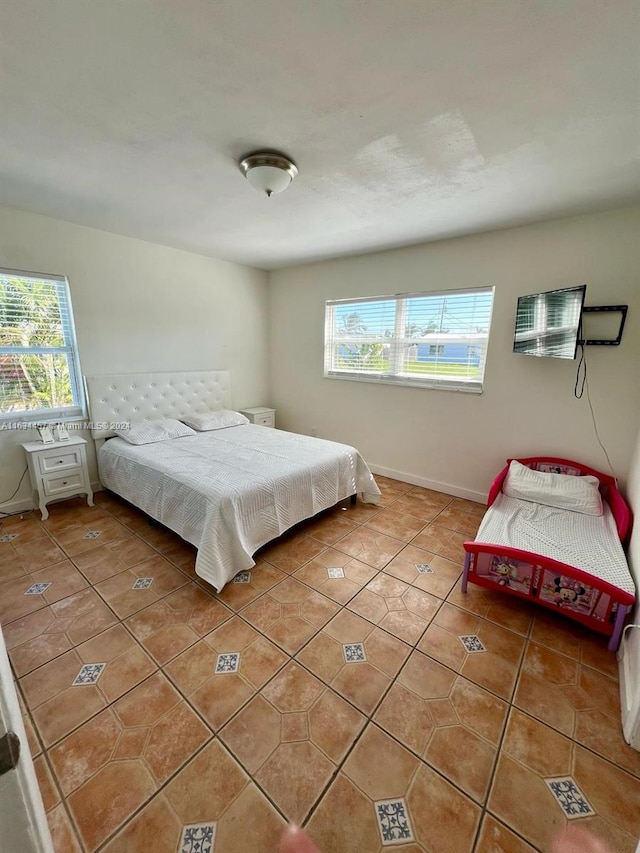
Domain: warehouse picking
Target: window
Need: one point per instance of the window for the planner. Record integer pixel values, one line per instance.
(39, 368)
(429, 340)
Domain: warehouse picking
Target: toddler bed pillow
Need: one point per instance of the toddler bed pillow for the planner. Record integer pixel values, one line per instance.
(578, 494)
(148, 432)
(215, 420)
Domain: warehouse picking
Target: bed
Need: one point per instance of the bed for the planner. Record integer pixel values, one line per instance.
(228, 490)
(553, 534)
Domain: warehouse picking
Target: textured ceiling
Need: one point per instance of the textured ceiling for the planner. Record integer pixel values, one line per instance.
(409, 120)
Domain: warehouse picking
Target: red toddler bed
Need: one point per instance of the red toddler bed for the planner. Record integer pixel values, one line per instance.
(553, 533)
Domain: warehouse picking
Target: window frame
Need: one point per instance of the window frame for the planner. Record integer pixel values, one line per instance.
(78, 409)
(398, 343)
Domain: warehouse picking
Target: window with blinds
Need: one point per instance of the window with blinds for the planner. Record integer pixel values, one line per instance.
(39, 368)
(429, 340)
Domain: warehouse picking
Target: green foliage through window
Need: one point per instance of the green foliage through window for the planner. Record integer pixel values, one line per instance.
(39, 372)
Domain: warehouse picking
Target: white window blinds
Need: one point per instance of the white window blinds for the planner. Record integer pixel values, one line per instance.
(39, 368)
(433, 340)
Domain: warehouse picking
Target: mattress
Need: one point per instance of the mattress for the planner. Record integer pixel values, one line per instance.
(230, 491)
(587, 542)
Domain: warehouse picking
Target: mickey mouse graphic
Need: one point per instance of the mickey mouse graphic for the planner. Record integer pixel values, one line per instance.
(565, 593)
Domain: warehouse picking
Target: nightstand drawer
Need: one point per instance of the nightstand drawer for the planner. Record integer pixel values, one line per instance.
(64, 482)
(265, 420)
(60, 460)
(261, 415)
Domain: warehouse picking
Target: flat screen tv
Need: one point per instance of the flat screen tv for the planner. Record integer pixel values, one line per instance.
(548, 324)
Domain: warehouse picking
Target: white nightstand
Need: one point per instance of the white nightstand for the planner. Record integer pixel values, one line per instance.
(58, 471)
(260, 415)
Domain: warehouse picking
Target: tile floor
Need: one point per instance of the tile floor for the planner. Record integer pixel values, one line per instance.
(344, 683)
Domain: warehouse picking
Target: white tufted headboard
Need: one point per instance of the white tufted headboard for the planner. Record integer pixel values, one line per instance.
(149, 396)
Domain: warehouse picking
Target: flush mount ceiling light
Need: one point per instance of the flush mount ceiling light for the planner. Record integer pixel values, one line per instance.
(268, 173)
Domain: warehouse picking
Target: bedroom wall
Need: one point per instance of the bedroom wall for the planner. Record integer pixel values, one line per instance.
(456, 441)
(629, 654)
(141, 307)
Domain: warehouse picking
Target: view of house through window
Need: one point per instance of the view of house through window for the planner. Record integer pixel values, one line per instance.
(39, 369)
(424, 339)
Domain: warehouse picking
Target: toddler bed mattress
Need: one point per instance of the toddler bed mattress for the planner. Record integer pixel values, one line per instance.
(230, 491)
(586, 542)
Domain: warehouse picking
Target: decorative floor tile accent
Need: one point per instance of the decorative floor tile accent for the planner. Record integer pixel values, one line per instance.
(9, 537)
(228, 662)
(424, 568)
(142, 583)
(336, 572)
(37, 588)
(570, 798)
(354, 652)
(472, 643)
(89, 674)
(242, 577)
(393, 821)
(197, 838)
(92, 534)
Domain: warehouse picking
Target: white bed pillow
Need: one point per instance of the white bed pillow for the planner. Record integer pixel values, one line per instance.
(215, 420)
(579, 494)
(148, 432)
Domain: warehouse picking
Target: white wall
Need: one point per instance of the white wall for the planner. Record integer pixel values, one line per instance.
(457, 441)
(630, 650)
(139, 306)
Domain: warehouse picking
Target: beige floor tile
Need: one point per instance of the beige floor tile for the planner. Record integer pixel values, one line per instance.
(58, 706)
(496, 838)
(393, 522)
(354, 576)
(176, 622)
(329, 526)
(443, 541)
(219, 695)
(511, 613)
(113, 557)
(368, 546)
(290, 614)
(41, 636)
(424, 570)
(62, 833)
(522, 800)
(461, 520)
(400, 609)
(494, 668)
(247, 586)
(119, 592)
(291, 551)
(361, 681)
(442, 731)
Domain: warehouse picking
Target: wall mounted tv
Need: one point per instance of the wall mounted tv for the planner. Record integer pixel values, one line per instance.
(548, 324)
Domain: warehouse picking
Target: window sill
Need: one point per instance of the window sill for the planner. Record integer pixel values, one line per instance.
(409, 383)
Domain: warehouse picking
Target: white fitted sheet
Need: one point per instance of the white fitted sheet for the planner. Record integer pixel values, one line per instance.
(230, 491)
(587, 542)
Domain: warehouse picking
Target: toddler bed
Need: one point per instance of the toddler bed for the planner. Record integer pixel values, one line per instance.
(553, 533)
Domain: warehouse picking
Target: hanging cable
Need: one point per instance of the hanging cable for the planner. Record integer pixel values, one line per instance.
(581, 375)
(17, 489)
(582, 382)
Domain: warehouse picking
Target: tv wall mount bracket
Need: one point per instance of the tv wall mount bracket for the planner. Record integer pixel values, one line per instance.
(601, 309)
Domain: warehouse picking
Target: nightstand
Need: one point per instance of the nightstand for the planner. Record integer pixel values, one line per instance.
(58, 471)
(260, 415)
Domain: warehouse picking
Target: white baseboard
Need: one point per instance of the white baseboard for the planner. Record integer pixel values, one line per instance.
(26, 504)
(447, 488)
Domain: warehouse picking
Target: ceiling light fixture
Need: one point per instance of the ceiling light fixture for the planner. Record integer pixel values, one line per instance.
(268, 173)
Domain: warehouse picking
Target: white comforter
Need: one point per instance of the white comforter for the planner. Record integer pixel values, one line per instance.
(230, 491)
(587, 542)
